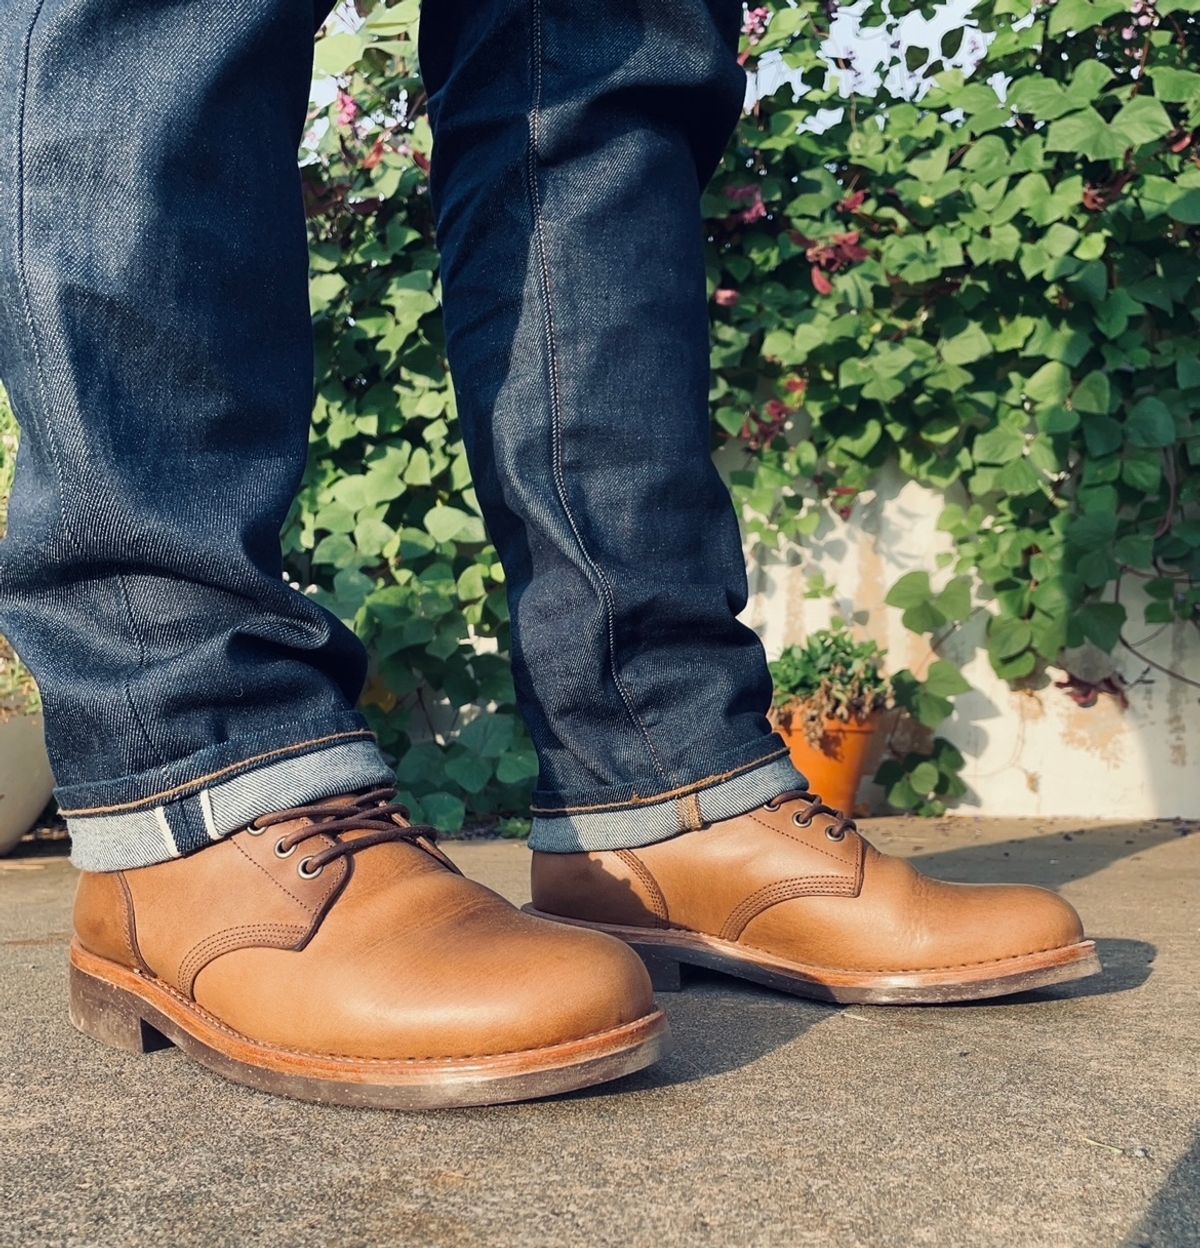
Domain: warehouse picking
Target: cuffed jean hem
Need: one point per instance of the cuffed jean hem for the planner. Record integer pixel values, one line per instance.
(187, 819)
(629, 827)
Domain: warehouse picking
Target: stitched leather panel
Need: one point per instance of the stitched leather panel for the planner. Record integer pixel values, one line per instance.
(784, 890)
(649, 883)
(278, 935)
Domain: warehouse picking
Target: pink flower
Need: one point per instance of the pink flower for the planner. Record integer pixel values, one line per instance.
(347, 109)
(756, 23)
(725, 298)
(751, 194)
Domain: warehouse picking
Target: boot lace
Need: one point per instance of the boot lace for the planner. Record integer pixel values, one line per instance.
(371, 812)
(810, 805)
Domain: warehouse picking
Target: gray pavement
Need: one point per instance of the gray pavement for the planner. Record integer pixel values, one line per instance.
(1068, 1117)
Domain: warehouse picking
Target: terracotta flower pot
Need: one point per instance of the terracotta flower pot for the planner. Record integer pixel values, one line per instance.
(834, 769)
(25, 778)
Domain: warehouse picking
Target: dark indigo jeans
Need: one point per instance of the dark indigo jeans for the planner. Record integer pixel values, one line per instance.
(155, 340)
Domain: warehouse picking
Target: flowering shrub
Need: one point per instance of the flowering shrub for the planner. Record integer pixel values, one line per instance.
(990, 281)
(994, 285)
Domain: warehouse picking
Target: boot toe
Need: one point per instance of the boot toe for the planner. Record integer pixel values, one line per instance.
(972, 924)
(1034, 919)
(585, 982)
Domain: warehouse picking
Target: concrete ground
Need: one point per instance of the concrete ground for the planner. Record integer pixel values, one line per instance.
(1067, 1117)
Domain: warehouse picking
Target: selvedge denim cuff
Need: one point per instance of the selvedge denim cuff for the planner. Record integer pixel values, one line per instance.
(189, 815)
(658, 817)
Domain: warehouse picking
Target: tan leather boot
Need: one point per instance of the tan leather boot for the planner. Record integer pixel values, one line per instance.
(792, 896)
(333, 953)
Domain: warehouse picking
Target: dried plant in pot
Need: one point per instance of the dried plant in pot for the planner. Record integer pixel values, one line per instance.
(830, 696)
(25, 778)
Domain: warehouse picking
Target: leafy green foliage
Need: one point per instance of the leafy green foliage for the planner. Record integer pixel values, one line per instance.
(18, 693)
(1000, 296)
(832, 676)
(387, 525)
(924, 783)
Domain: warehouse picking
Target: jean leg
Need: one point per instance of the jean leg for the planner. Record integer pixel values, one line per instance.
(155, 338)
(572, 140)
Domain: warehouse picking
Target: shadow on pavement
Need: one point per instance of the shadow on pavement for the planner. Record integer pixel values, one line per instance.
(1173, 1218)
(758, 1021)
(1125, 965)
(721, 1024)
(1049, 859)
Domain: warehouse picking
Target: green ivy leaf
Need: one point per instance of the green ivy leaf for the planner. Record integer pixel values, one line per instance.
(1175, 86)
(945, 680)
(444, 811)
(1088, 134)
(967, 346)
(447, 523)
(517, 766)
(471, 771)
(911, 590)
(1007, 637)
(1043, 97)
(1102, 622)
(924, 778)
(1050, 384)
(1093, 394)
(954, 602)
(1142, 120)
(1016, 668)
(1144, 474)
(1102, 435)
(489, 735)
(1134, 550)
(336, 53)
(1093, 531)
(1000, 445)
(1150, 423)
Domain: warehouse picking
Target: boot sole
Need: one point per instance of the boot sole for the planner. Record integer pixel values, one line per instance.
(128, 1011)
(666, 952)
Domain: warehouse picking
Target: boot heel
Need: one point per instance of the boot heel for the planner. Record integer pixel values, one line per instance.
(110, 1015)
(666, 974)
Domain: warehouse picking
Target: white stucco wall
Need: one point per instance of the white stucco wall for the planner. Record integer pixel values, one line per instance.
(1029, 752)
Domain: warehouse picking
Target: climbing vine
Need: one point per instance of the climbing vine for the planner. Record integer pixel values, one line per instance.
(993, 283)
(988, 279)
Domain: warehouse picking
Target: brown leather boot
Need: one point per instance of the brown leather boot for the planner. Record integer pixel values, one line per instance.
(792, 896)
(333, 953)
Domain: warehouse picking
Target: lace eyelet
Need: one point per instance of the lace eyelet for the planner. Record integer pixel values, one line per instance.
(835, 834)
(280, 852)
(253, 831)
(304, 873)
(805, 822)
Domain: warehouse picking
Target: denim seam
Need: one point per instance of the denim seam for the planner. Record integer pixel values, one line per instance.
(135, 633)
(599, 581)
(247, 764)
(22, 277)
(43, 417)
(550, 811)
